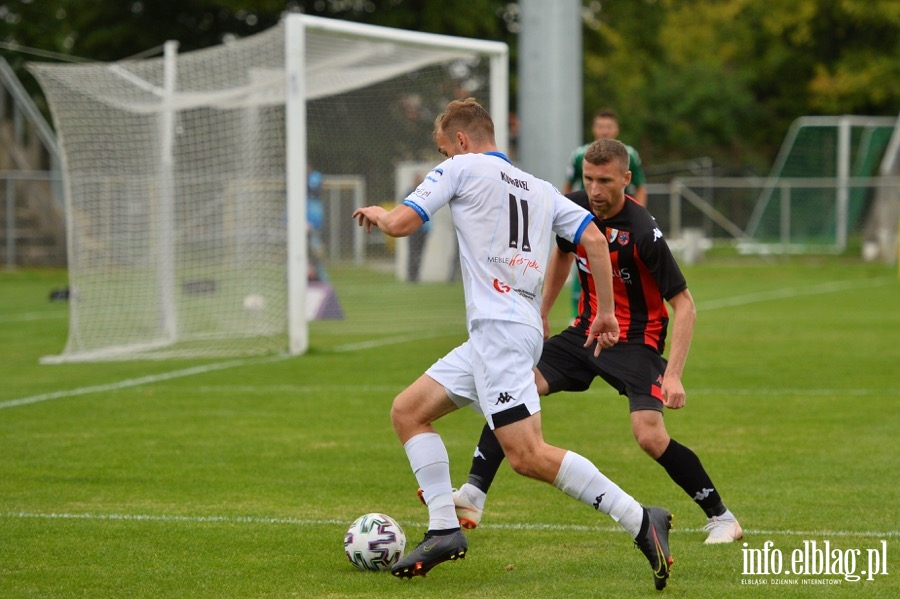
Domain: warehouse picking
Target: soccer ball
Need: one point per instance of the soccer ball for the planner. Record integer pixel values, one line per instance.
(254, 303)
(374, 542)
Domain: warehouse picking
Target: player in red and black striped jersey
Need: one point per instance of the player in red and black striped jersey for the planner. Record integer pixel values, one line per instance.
(646, 277)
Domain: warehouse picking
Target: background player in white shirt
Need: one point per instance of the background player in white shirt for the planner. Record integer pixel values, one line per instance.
(505, 221)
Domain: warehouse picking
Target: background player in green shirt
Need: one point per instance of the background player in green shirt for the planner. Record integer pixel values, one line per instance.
(606, 126)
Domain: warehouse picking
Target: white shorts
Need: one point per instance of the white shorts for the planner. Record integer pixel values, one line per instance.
(492, 371)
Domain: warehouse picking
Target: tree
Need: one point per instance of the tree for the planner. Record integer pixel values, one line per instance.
(111, 30)
(722, 78)
(727, 77)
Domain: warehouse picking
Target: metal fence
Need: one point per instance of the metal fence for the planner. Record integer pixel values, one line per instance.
(21, 245)
(32, 208)
(780, 215)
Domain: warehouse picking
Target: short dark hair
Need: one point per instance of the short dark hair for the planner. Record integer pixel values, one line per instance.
(606, 113)
(604, 151)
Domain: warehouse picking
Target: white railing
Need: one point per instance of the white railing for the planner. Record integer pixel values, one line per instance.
(779, 215)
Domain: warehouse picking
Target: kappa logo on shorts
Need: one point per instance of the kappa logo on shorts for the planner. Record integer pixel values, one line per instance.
(505, 398)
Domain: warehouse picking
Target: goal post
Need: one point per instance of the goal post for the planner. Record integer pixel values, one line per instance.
(295, 126)
(187, 176)
(834, 153)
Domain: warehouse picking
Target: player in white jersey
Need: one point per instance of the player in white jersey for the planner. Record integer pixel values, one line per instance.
(505, 221)
(507, 235)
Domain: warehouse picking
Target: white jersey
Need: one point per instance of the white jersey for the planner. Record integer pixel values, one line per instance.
(505, 222)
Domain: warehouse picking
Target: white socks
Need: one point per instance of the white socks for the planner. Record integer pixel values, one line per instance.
(431, 465)
(580, 479)
(577, 478)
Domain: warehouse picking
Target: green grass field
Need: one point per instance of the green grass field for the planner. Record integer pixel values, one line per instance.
(238, 478)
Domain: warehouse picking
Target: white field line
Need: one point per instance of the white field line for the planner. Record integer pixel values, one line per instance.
(250, 389)
(147, 380)
(792, 292)
(798, 392)
(328, 522)
(31, 316)
(362, 345)
(144, 380)
(176, 374)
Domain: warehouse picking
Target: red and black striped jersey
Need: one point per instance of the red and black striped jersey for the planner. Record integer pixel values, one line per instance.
(645, 274)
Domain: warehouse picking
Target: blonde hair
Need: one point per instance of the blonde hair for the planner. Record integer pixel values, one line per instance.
(467, 116)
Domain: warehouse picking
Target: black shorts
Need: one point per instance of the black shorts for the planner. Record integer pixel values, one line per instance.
(633, 370)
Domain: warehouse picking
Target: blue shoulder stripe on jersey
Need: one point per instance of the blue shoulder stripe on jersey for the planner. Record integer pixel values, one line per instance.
(499, 155)
(584, 224)
(417, 208)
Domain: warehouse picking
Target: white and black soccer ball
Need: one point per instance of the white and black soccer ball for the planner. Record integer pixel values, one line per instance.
(374, 542)
(254, 303)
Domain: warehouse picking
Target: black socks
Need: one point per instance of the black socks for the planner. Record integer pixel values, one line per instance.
(486, 462)
(684, 467)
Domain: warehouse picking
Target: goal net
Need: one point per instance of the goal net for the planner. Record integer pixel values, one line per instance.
(209, 193)
(821, 185)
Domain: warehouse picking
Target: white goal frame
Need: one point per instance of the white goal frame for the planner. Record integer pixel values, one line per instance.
(296, 26)
(292, 89)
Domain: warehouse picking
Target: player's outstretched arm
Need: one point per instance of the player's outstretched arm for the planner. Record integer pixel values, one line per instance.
(399, 222)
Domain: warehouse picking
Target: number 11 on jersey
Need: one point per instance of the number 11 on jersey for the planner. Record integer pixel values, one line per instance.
(514, 224)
